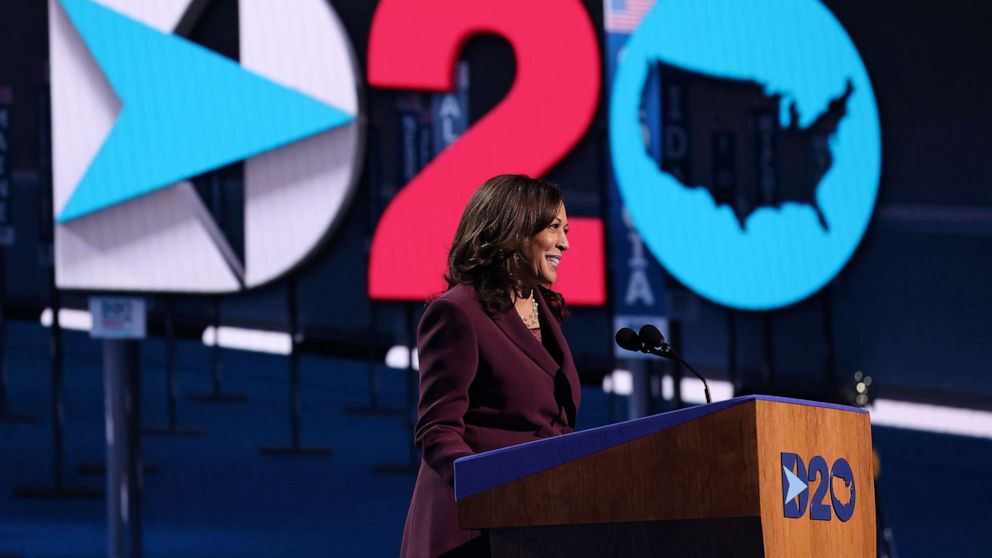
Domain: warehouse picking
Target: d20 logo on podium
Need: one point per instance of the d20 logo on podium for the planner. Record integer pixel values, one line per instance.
(797, 480)
(138, 110)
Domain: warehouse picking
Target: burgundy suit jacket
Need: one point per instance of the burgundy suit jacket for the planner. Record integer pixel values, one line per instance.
(485, 383)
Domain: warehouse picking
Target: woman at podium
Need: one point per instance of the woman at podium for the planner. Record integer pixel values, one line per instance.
(495, 369)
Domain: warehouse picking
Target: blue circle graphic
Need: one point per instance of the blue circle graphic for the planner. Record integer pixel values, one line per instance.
(797, 51)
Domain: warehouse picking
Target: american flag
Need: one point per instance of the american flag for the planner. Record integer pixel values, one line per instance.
(623, 16)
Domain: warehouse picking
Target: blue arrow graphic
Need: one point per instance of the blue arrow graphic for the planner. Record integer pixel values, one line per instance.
(185, 110)
(796, 485)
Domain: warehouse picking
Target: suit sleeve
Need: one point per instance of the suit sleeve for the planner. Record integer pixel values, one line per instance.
(449, 356)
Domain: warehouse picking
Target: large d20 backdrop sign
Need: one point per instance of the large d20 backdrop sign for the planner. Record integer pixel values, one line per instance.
(770, 146)
(139, 110)
(415, 46)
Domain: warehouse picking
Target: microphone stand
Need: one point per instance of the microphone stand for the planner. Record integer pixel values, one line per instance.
(666, 351)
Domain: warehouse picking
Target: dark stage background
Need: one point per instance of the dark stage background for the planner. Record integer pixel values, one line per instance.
(911, 308)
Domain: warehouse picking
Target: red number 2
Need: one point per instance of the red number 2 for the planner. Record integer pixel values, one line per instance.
(415, 46)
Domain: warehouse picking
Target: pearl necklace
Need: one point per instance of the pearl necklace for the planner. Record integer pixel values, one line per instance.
(532, 321)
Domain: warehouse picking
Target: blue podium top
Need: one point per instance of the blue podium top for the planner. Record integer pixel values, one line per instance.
(477, 473)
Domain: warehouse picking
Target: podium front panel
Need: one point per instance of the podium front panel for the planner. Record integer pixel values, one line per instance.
(816, 478)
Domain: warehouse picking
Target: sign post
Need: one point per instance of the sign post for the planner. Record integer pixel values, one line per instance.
(120, 322)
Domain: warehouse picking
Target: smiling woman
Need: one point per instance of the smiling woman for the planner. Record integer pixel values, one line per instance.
(509, 241)
(495, 369)
(544, 249)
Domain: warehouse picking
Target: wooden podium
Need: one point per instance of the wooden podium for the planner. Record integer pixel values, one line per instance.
(752, 476)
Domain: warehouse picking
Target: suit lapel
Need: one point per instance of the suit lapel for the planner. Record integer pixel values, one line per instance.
(567, 364)
(555, 328)
(513, 327)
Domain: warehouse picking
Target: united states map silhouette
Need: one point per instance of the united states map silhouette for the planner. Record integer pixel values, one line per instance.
(725, 135)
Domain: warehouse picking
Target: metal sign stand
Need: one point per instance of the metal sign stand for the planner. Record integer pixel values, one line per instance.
(58, 490)
(121, 323)
(375, 407)
(412, 395)
(117, 352)
(122, 384)
(217, 394)
(171, 428)
(295, 449)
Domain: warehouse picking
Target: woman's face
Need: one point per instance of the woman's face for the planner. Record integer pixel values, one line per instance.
(544, 250)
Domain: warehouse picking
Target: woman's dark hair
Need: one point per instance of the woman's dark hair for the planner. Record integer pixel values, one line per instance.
(487, 252)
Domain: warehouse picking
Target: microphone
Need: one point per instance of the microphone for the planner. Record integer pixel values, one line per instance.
(628, 339)
(653, 339)
(650, 340)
